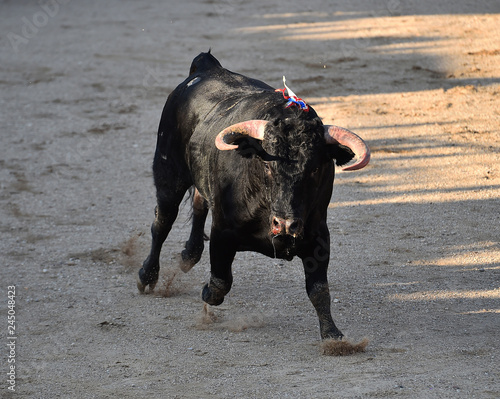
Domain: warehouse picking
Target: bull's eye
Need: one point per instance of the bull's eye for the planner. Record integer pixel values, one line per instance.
(314, 171)
(267, 168)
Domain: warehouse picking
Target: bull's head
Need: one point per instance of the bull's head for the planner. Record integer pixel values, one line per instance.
(297, 161)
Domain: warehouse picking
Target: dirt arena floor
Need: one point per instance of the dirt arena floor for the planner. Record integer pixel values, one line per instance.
(415, 263)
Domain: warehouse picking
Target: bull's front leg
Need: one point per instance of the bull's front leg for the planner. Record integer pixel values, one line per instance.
(195, 245)
(315, 268)
(222, 252)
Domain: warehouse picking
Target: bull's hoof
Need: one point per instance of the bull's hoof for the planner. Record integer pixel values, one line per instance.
(212, 297)
(191, 255)
(187, 261)
(186, 266)
(144, 280)
(142, 288)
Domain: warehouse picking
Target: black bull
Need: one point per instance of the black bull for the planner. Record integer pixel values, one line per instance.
(264, 170)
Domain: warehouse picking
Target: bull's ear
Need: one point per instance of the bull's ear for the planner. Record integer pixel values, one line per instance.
(249, 147)
(340, 153)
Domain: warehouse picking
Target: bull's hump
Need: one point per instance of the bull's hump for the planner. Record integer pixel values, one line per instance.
(206, 66)
(203, 63)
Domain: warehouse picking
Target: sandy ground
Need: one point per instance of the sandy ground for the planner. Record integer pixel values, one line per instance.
(415, 236)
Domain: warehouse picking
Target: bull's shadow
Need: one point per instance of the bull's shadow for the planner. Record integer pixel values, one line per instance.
(375, 51)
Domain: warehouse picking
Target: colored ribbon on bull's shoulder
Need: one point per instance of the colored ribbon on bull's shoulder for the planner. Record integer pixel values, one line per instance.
(292, 98)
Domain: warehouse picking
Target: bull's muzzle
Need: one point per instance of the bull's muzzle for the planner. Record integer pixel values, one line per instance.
(287, 226)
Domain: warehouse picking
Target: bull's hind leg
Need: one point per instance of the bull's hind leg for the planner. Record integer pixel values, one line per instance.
(170, 190)
(195, 245)
(166, 214)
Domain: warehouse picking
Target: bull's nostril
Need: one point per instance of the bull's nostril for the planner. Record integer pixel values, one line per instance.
(277, 225)
(294, 227)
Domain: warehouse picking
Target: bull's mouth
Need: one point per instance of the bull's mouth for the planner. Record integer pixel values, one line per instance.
(284, 246)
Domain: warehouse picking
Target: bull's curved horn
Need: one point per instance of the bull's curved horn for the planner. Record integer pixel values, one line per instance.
(253, 128)
(339, 135)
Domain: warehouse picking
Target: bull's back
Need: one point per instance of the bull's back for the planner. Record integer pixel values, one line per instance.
(212, 98)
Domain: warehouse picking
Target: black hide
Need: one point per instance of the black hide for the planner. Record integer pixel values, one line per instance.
(268, 196)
